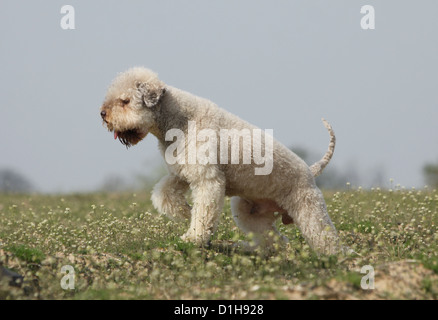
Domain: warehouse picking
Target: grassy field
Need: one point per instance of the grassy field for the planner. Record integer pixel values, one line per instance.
(120, 248)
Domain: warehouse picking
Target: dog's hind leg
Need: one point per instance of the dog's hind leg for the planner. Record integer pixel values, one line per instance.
(310, 215)
(168, 197)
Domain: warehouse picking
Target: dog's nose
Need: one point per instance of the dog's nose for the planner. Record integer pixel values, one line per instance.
(103, 114)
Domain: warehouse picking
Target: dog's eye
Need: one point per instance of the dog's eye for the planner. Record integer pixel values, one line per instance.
(125, 101)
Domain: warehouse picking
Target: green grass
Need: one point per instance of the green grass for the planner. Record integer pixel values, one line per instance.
(121, 248)
(29, 255)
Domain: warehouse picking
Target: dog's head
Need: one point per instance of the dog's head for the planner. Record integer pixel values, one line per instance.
(128, 109)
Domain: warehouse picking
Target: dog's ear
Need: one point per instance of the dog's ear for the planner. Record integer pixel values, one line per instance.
(150, 93)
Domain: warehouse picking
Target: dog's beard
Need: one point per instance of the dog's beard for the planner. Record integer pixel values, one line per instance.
(130, 137)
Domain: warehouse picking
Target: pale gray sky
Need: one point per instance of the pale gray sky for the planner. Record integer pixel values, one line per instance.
(280, 64)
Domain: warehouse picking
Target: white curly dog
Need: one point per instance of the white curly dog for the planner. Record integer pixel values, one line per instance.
(138, 103)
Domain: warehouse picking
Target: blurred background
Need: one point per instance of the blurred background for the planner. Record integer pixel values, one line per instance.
(280, 65)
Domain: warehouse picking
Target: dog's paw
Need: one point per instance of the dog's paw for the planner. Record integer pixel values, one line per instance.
(187, 237)
(347, 251)
(199, 240)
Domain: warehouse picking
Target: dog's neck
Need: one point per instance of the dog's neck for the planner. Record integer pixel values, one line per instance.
(169, 104)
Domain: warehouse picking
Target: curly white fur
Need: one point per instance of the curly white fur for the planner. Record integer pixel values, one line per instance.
(138, 103)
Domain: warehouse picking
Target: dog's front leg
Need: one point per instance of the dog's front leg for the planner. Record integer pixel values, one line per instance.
(168, 197)
(208, 198)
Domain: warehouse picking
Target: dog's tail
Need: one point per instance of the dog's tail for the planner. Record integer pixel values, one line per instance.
(319, 166)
